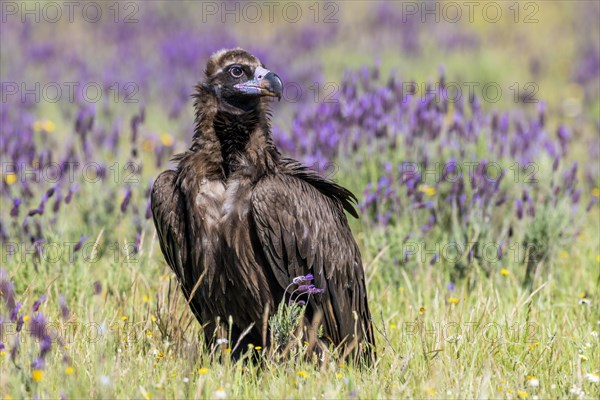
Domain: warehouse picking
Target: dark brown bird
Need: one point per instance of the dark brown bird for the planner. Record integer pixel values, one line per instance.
(237, 221)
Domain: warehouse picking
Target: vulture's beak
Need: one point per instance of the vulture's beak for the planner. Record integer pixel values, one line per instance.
(265, 83)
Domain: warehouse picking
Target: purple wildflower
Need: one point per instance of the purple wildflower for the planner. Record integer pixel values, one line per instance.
(38, 302)
(519, 205)
(37, 326)
(14, 312)
(7, 288)
(64, 309)
(126, 200)
(14, 212)
(45, 346)
(80, 243)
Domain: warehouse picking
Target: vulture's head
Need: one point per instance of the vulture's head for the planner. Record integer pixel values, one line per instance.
(240, 80)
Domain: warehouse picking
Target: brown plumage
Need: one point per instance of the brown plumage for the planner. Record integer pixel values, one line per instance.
(237, 222)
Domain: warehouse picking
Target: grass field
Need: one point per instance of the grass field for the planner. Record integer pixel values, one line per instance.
(480, 287)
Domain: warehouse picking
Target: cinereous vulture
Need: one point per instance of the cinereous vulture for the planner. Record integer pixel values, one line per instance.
(237, 221)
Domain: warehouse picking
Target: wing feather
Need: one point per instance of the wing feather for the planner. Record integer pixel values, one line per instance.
(169, 214)
(302, 230)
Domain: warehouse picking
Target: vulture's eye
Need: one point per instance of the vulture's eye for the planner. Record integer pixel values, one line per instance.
(236, 72)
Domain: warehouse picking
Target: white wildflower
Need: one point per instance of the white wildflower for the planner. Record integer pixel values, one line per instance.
(594, 378)
(454, 338)
(534, 382)
(105, 380)
(219, 394)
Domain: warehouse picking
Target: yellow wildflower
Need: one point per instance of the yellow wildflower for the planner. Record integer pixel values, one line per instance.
(146, 299)
(258, 348)
(37, 375)
(426, 189)
(504, 272)
(123, 318)
(153, 318)
(25, 318)
(202, 371)
(166, 139)
(533, 345)
(69, 370)
(303, 374)
(422, 310)
(596, 192)
(522, 394)
(453, 300)
(45, 125)
(393, 326)
(10, 178)
(2, 353)
(49, 126)
(148, 145)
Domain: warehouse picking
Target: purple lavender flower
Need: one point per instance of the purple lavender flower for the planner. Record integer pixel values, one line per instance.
(302, 278)
(72, 190)
(7, 288)
(14, 212)
(591, 203)
(20, 321)
(37, 326)
(38, 302)
(15, 349)
(45, 346)
(64, 309)
(14, 312)
(80, 243)
(38, 363)
(519, 205)
(126, 200)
